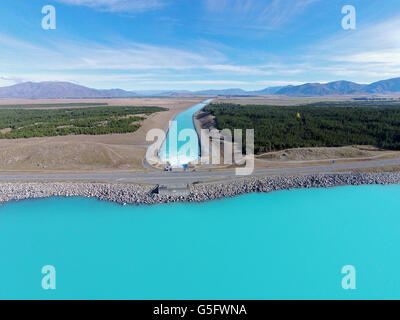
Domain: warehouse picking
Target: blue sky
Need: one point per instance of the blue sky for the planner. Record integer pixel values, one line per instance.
(198, 44)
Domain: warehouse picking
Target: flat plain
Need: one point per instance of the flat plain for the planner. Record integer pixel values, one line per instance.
(125, 152)
(77, 153)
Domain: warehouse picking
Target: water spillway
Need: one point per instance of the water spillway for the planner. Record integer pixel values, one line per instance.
(178, 149)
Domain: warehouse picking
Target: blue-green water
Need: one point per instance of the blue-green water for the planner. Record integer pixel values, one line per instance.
(281, 245)
(177, 149)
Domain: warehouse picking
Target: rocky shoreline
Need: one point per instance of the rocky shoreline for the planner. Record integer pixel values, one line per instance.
(139, 194)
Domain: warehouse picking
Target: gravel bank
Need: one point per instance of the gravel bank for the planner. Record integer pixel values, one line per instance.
(136, 194)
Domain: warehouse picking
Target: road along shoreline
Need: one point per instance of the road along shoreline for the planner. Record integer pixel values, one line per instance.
(146, 194)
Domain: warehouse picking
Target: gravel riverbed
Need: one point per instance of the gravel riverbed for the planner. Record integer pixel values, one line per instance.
(139, 194)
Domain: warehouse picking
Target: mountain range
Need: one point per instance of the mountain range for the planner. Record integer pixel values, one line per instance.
(65, 90)
(57, 90)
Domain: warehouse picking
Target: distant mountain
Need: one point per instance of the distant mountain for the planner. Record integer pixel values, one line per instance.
(384, 86)
(305, 90)
(65, 90)
(180, 93)
(345, 87)
(318, 89)
(57, 90)
(308, 89)
(224, 92)
(269, 90)
(342, 88)
(117, 93)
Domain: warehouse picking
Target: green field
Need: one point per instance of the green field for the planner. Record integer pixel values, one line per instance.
(22, 123)
(327, 124)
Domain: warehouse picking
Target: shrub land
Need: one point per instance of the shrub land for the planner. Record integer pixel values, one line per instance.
(23, 123)
(329, 124)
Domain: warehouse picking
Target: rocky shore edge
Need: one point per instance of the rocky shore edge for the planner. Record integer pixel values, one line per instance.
(139, 194)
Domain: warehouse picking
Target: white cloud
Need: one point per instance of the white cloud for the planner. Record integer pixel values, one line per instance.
(94, 56)
(201, 82)
(117, 5)
(369, 53)
(135, 65)
(11, 79)
(258, 14)
(255, 70)
(365, 55)
(278, 12)
(277, 83)
(139, 57)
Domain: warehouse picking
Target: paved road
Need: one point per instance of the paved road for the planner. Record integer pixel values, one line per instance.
(190, 177)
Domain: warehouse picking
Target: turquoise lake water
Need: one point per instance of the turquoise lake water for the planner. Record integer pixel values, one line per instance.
(178, 156)
(281, 245)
